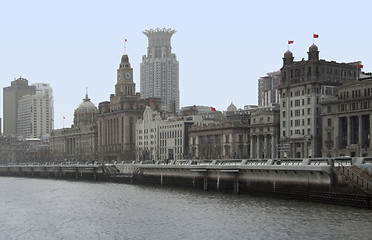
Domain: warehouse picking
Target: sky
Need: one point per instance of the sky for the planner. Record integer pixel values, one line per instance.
(223, 47)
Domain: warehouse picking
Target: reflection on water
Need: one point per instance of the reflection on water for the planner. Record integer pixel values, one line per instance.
(53, 209)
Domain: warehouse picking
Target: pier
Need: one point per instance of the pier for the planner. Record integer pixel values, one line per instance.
(345, 181)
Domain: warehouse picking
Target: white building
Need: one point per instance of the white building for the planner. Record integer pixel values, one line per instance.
(160, 69)
(35, 113)
(161, 140)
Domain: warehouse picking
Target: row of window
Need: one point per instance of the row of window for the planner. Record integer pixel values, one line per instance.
(354, 106)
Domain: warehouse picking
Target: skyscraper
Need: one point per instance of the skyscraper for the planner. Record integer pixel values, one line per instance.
(11, 95)
(160, 69)
(268, 92)
(35, 112)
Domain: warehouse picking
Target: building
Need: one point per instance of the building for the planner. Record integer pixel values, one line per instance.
(147, 135)
(117, 118)
(264, 132)
(11, 95)
(304, 85)
(219, 141)
(268, 92)
(35, 113)
(80, 142)
(347, 121)
(16, 151)
(160, 70)
(159, 139)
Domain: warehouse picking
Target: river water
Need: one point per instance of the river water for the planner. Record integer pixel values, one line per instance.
(56, 209)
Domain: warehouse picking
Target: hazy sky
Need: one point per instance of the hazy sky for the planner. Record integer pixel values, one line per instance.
(223, 47)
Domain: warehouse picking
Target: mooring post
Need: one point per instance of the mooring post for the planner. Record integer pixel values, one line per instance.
(218, 181)
(77, 173)
(236, 183)
(206, 180)
(94, 174)
(161, 178)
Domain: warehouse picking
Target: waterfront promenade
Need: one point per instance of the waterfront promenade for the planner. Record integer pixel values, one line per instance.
(333, 180)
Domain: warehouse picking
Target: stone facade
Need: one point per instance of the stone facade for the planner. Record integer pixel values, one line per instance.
(264, 132)
(304, 85)
(117, 118)
(219, 141)
(347, 121)
(78, 143)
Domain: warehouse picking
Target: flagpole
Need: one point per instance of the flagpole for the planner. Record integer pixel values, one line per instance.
(313, 38)
(125, 47)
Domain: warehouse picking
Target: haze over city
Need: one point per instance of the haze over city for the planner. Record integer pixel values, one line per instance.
(223, 48)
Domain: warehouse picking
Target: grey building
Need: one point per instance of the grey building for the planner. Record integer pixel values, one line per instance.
(304, 85)
(11, 95)
(268, 89)
(160, 70)
(79, 142)
(347, 121)
(117, 118)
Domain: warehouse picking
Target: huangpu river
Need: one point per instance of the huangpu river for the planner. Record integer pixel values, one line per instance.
(56, 209)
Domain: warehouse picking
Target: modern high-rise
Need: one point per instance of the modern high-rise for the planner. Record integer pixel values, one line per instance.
(268, 92)
(160, 69)
(35, 112)
(11, 95)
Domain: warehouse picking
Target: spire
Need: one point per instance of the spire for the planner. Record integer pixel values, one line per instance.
(86, 99)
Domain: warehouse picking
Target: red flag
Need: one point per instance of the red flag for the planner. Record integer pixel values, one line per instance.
(360, 66)
(290, 42)
(315, 35)
(213, 109)
(125, 39)
(151, 101)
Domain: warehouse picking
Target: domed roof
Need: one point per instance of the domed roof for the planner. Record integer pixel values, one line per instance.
(288, 54)
(231, 108)
(313, 48)
(86, 105)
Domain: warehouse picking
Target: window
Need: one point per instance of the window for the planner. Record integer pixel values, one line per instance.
(329, 122)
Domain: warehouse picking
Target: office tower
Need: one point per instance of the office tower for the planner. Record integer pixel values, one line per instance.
(35, 113)
(11, 95)
(268, 92)
(160, 69)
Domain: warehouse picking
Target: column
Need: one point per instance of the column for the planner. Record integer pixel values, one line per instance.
(258, 147)
(370, 129)
(348, 130)
(265, 148)
(251, 147)
(360, 133)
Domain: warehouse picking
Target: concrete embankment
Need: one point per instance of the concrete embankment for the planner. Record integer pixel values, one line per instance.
(305, 179)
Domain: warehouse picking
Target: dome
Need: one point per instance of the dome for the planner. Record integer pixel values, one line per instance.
(231, 108)
(288, 54)
(86, 105)
(313, 48)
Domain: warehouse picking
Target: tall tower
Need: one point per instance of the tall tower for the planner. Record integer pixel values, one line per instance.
(160, 69)
(35, 112)
(11, 95)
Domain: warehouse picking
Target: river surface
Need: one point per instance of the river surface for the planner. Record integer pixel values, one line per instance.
(56, 209)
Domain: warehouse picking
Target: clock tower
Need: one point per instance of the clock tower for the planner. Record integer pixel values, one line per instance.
(125, 85)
